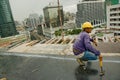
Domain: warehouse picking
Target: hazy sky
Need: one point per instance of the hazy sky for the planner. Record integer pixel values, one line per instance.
(22, 8)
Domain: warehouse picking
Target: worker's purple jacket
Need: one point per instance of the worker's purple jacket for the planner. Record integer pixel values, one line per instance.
(83, 43)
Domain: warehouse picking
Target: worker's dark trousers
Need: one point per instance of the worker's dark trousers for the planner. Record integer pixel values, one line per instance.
(89, 56)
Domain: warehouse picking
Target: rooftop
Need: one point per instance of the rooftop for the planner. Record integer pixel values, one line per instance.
(15, 66)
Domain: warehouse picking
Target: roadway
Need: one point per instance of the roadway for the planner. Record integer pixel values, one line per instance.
(17, 66)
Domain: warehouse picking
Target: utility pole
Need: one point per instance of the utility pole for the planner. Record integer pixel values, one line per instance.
(59, 14)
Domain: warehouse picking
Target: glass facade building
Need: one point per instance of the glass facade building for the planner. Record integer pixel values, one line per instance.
(112, 2)
(7, 25)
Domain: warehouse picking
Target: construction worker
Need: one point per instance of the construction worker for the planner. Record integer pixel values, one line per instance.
(82, 47)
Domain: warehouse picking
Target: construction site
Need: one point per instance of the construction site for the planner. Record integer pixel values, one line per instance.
(56, 45)
(41, 55)
(25, 59)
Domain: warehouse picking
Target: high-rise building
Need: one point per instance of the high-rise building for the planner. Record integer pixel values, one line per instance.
(34, 20)
(7, 25)
(113, 17)
(112, 2)
(92, 11)
(51, 16)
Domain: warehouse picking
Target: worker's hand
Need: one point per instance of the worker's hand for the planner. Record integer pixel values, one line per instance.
(94, 42)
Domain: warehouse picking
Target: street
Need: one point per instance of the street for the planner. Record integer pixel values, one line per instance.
(17, 66)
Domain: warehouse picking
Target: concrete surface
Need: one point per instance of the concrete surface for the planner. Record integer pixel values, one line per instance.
(64, 49)
(109, 47)
(15, 66)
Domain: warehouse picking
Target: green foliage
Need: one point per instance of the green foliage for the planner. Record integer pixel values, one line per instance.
(58, 33)
(100, 34)
(68, 32)
(76, 31)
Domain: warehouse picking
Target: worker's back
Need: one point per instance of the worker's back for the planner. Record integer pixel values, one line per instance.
(79, 42)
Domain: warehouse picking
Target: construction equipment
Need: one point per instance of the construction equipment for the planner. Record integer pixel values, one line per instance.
(101, 65)
(60, 18)
(100, 62)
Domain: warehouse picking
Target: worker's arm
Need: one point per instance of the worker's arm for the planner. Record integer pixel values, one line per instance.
(88, 45)
(94, 41)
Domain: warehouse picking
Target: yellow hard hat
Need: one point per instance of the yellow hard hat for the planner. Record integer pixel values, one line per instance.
(87, 25)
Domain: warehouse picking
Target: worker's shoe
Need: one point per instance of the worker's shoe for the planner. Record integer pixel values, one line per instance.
(80, 61)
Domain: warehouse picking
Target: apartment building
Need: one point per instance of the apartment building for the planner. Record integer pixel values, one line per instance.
(113, 17)
(92, 11)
